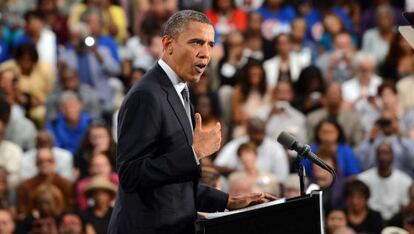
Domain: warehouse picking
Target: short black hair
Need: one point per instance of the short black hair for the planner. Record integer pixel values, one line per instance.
(353, 186)
(176, 23)
(28, 15)
(28, 48)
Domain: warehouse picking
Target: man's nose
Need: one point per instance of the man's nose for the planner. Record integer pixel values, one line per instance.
(205, 52)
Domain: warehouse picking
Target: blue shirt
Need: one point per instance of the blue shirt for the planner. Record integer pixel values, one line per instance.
(346, 161)
(66, 137)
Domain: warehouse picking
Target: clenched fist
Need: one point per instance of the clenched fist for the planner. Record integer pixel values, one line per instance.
(205, 143)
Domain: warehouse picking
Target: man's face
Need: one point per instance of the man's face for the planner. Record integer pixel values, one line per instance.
(190, 51)
(71, 109)
(45, 162)
(384, 156)
(6, 223)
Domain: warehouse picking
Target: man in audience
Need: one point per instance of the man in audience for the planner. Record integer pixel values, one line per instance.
(7, 225)
(62, 157)
(389, 186)
(69, 81)
(280, 115)
(271, 157)
(333, 108)
(20, 130)
(46, 165)
(71, 124)
(387, 129)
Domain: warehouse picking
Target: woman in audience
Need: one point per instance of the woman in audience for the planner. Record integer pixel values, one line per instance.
(249, 95)
(329, 137)
(99, 165)
(226, 17)
(309, 89)
(46, 206)
(335, 220)
(253, 179)
(98, 140)
(399, 60)
(360, 217)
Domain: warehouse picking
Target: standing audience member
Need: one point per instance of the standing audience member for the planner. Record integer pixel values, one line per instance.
(257, 180)
(71, 124)
(62, 157)
(102, 192)
(389, 186)
(46, 165)
(359, 215)
(271, 157)
(249, 95)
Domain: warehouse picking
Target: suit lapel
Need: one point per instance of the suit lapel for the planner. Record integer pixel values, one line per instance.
(175, 103)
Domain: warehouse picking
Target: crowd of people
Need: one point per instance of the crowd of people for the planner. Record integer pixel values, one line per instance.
(335, 74)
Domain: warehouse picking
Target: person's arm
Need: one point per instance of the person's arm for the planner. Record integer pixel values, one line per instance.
(210, 199)
(236, 103)
(352, 163)
(139, 164)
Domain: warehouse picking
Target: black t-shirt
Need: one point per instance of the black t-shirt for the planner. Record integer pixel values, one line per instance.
(100, 224)
(372, 223)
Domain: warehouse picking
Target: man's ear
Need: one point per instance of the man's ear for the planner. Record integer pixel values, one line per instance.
(167, 44)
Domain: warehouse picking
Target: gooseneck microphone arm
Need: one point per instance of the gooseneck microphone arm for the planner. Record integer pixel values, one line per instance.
(304, 152)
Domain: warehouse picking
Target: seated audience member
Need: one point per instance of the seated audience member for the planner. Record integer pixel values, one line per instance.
(335, 220)
(309, 89)
(99, 164)
(359, 215)
(271, 157)
(388, 185)
(291, 187)
(45, 162)
(377, 40)
(250, 93)
(336, 65)
(94, 64)
(405, 87)
(7, 199)
(280, 116)
(364, 84)
(333, 25)
(44, 207)
(345, 230)
(69, 81)
(302, 46)
(102, 192)
(210, 177)
(72, 223)
(332, 197)
(398, 219)
(286, 65)
(98, 139)
(71, 124)
(35, 81)
(258, 180)
(387, 129)
(399, 60)
(10, 157)
(330, 139)
(8, 225)
(63, 158)
(20, 130)
(349, 120)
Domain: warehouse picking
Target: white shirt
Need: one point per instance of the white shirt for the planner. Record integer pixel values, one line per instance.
(387, 194)
(271, 157)
(352, 89)
(179, 85)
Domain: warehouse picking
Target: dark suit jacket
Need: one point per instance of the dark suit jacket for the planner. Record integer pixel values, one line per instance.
(159, 190)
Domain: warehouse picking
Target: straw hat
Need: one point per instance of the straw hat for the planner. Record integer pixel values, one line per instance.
(100, 183)
(393, 230)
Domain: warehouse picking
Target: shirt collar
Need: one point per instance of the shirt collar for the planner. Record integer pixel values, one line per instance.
(179, 84)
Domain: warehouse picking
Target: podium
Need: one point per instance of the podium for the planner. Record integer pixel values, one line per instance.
(301, 215)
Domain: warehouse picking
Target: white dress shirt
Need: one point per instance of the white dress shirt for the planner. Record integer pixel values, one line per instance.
(179, 86)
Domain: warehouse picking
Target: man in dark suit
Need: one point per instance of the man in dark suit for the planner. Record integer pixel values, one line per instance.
(158, 153)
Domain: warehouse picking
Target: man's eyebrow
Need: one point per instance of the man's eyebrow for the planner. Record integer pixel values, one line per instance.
(198, 40)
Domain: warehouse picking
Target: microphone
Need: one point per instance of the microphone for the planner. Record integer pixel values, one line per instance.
(303, 150)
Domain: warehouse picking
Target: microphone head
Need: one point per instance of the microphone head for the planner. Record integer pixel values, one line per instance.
(286, 140)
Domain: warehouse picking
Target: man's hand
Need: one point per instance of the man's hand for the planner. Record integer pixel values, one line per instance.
(237, 202)
(205, 143)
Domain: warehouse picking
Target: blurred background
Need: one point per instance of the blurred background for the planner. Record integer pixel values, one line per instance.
(335, 74)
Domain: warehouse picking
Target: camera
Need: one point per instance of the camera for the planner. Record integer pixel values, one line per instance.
(383, 122)
(87, 41)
